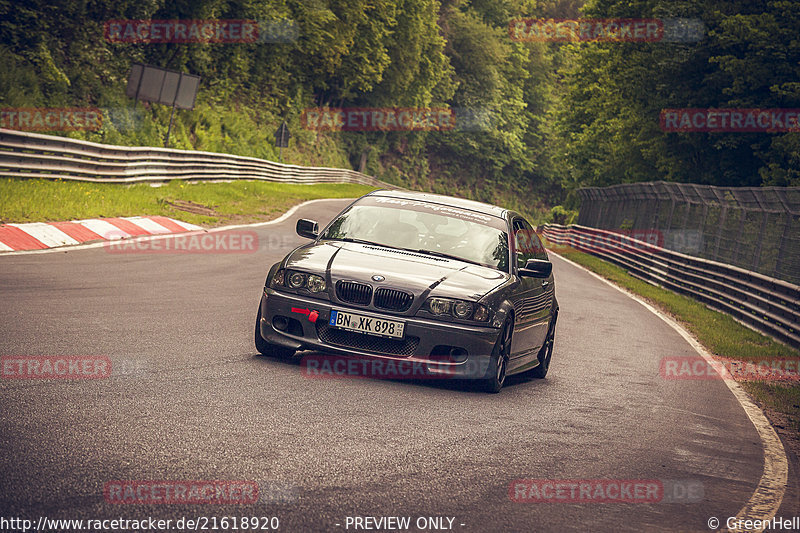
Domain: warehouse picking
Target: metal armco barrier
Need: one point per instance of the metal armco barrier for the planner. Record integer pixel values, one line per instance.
(32, 155)
(769, 305)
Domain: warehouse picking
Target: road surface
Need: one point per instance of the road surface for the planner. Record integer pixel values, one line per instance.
(188, 399)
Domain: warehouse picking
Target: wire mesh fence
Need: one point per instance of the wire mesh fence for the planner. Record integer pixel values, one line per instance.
(757, 228)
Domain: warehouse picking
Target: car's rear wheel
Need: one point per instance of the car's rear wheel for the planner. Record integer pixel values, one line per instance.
(496, 373)
(546, 351)
(266, 348)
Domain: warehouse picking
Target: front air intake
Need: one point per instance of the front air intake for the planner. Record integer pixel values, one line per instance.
(393, 299)
(355, 293)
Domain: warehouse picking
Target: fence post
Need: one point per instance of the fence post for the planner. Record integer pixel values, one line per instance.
(722, 220)
(671, 209)
(782, 246)
(657, 201)
(737, 244)
(601, 202)
(761, 232)
(702, 230)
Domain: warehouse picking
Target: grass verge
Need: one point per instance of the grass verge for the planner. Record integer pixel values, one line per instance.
(718, 333)
(206, 204)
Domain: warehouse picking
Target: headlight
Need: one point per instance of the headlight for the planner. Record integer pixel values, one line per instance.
(460, 309)
(297, 280)
(315, 283)
(439, 306)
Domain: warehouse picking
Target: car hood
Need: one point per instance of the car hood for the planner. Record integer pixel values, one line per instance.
(416, 273)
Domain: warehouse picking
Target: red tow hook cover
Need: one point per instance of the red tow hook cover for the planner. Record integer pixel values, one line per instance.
(312, 316)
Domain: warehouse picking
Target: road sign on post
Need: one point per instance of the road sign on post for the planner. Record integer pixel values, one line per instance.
(282, 137)
(168, 87)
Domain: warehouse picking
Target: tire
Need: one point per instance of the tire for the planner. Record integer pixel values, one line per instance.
(546, 351)
(267, 349)
(495, 375)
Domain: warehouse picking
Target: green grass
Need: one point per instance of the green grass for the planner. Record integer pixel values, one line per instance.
(783, 398)
(36, 200)
(717, 332)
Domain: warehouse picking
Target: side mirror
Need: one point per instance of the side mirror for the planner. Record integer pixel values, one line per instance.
(307, 228)
(536, 268)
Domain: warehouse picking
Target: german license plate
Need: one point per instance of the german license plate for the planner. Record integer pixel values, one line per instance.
(367, 324)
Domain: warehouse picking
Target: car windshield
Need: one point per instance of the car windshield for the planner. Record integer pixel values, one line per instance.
(426, 228)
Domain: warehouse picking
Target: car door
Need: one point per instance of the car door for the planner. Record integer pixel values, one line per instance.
(534, 299)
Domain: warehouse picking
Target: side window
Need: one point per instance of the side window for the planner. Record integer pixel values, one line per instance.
(526, 243)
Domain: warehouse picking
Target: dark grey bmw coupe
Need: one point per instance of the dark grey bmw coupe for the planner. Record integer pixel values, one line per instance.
(461, 288)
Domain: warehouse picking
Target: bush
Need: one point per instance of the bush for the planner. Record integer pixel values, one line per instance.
(560, 215)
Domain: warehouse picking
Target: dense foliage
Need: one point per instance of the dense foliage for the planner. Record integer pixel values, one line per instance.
(561, 115)
(749, 58)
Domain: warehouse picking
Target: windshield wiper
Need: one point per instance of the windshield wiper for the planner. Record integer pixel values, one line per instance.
(446, 256)
(371, 243)
(359, 241)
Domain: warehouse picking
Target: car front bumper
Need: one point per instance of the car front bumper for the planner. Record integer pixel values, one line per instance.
(417, 350)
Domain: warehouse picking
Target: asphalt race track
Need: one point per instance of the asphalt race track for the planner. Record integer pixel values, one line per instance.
(188, 399)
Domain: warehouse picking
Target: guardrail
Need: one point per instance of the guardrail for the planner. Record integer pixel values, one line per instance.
(769, 305)
(32, 155)
(756, 228)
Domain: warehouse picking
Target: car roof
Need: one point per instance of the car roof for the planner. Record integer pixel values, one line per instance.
(452, 201)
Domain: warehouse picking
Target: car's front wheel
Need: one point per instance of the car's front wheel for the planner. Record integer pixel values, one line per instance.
(546, 351)
(498, 364)
(266, 348)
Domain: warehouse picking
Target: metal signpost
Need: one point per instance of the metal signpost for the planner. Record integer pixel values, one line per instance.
(163, 86)
(282, 137)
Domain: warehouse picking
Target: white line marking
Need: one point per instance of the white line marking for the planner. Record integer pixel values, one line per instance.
(118, 231)
(5, 248)
(768, 496)
(46, 234)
